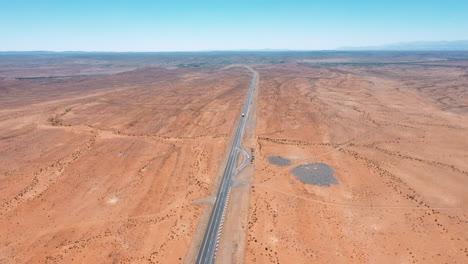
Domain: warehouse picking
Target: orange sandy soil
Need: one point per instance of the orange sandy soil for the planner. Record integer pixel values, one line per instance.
(397, 139)
(105, 169)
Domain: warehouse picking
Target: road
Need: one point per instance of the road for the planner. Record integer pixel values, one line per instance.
(209, 245)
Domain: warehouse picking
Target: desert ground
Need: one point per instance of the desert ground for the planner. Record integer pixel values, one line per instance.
(396, 138)
(109, 169)
(115, 158)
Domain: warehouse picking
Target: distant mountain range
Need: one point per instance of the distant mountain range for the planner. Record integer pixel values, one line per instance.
(417, 45)
(456, 45)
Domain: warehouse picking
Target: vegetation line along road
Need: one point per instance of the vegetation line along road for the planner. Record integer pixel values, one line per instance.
(209, 245)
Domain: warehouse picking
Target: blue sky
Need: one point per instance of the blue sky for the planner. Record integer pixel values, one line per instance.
(173, 25)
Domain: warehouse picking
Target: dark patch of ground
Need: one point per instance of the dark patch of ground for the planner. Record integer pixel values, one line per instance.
(279, 161)
(315, 173)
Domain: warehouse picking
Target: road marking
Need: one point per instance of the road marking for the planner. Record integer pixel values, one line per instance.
(209, 245)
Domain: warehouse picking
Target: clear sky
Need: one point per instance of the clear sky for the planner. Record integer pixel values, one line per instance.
(177, 25)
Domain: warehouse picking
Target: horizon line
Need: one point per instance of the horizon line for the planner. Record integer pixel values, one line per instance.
(221, 50)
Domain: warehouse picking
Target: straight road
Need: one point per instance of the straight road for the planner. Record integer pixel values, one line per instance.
(209, 245)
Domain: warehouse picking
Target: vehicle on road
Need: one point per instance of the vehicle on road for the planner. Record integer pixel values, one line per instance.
(209, 244)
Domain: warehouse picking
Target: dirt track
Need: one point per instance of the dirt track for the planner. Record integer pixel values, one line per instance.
(399, 157)
(106, 168)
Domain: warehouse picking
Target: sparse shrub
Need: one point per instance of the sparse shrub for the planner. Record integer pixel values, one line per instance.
(55, 121)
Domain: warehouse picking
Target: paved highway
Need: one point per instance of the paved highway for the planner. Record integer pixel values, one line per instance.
(209, 245)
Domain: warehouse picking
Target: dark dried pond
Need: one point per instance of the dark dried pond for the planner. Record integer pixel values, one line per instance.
(315, 173)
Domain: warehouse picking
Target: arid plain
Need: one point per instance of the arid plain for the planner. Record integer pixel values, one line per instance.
(106, 169)
(396, 138)
(116, 160)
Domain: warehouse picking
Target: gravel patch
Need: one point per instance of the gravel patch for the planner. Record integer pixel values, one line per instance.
(279, 161)
(315, 173)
